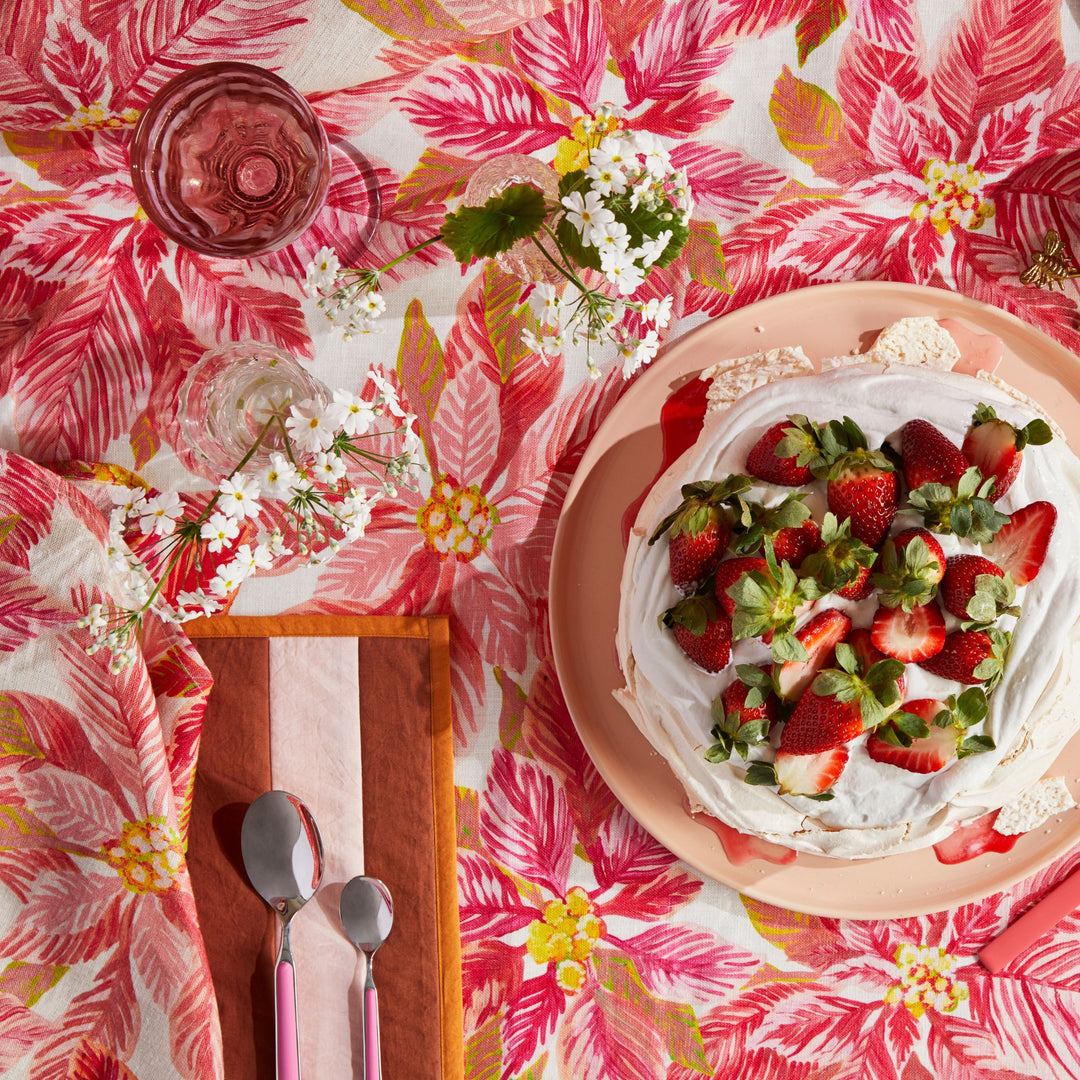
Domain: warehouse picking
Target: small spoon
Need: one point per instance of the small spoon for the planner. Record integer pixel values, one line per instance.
(367, 914)
(283, 857)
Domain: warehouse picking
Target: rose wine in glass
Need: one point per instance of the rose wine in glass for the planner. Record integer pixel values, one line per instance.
(229, 160)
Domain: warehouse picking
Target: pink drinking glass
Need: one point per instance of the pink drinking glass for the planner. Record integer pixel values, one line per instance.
(229, 160)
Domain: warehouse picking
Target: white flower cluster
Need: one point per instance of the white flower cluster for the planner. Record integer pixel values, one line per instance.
(310, 476)
(348, 298)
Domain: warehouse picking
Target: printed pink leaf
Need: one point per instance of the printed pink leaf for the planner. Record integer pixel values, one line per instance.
(855, 246)
(822, 18)
(806, 939)
(493, 612)
(564, 52)
(550, 735)
(352, 110)
(996, 54)
(218, 295)
(26, 507)
(656, 899)
(677, 51)
(808, 122)
(60, 241)
(526, 398)
(74, 64)
(602, 1039)
(437, 178)
(531, 1016)
(726, 179)
(756, 18)
(1035, 198)
(490, 904)
(92, 1061)
(893, 137)
(685, 962)
(889, 23)
(624, 20)
(681, 118)
(484, 111)
(23, 1029)
(491, 980)
(465, 433)
(81, 372)
(511, 714)
(420, 365)
(148, 52)
(624, 852)
(820, 1026)
(25, 611)
(1007, 137)
(525, 822)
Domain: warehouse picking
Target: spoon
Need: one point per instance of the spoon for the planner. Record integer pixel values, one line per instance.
(283, 857)
(367, 914)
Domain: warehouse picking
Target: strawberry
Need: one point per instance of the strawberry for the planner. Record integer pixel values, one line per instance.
(911, 565)
(868, 654)
(699, 530)
(862, 486)
(961, 583)
(860, 588)
(924, 753)
(794, 543)
(962, 509)
(744, 713)
(820, 722)
(974, 839)
(929, 457)
(729, 571)
(971, 656)
(841, 564)
(809, 774)
(936, 555)
(1019, 547)
(789, 464)
(702, 630)
(908, 636)
(996, 447)
(819, 637)
(767, 603)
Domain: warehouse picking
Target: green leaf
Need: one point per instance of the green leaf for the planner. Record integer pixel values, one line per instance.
(830, 681)
(847, 657)
(760, 773)
(971, 706)
(1036, 433)
(484, 231)
(975, 744)
(820, 20)
(786, 646)
(718, 753)
(704, 256)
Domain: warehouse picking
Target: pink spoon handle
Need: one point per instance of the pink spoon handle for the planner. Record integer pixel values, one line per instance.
(1031, 926)
(372, 1057)
(288, 1044)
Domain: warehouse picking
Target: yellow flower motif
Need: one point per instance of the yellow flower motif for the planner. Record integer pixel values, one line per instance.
(565, 937)
(572, 152)
(456, 521)
(95, 116)
(952, 197)
(926, 980)
(147, 856)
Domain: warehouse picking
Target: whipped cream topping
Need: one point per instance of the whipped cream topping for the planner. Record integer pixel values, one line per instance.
(877, 809)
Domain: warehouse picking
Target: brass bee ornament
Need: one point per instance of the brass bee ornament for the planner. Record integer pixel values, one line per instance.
(1051, 266)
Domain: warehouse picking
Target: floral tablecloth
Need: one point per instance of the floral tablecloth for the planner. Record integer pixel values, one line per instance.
(875, 139)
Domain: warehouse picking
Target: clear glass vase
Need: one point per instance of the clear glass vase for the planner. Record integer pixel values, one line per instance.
(230, 395)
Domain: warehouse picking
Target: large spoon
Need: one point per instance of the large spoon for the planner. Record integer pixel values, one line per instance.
(283, 857)
(367, 914)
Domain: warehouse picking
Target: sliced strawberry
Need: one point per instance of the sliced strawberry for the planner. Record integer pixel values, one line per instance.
(996, 447)
(929, 457)
(925, 755)
(741, 848)
(1019, 547)
(819, 637)
(909, 636)
(860, 588)
(809, 774)
(869, 654)
(794, 543)
(862, 486)
(820, 723)
(766, 464)
(702, 630)
(958, 585)
(729, 571)
(965, 652)
(974, 839)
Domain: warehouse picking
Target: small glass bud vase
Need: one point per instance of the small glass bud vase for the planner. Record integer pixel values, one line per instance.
(233, 392)
(523, 261)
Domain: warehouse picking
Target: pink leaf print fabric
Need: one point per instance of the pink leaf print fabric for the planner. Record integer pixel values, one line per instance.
(904, 140)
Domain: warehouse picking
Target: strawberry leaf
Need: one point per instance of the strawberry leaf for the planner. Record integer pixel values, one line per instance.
(975, 744)
(761, 773)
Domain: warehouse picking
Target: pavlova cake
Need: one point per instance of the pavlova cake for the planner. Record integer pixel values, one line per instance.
(850, 612)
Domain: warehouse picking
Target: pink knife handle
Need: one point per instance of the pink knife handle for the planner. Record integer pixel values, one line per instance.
(1031, 926)
(372, 1058)
(288, 1043)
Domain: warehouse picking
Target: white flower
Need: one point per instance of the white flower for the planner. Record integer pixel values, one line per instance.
(248, 560)
(273, 543)
(239, 496)
(351, 414)
(229, 577)
(370, 305)
(546, 346)
(355, 513)
(614, 152)
(278, 476)
(158, 514)
(387, 395)
(308, 426)
(606, 180)
(322, 272)
(612, 239)
(545, 303)
(626, 276)
(657, 311)
(94, 620)
(651, 250)
(636, 353)
(329, 468)
(585, 212)
(124, 498)
(219, 529)
(190, 601)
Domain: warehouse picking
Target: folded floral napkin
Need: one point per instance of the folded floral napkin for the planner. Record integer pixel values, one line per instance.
(102, 967)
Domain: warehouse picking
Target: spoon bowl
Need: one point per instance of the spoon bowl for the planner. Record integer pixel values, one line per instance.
(367, 916)
(283, 857)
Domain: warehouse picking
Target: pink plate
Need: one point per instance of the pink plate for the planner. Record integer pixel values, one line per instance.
(827, 320)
